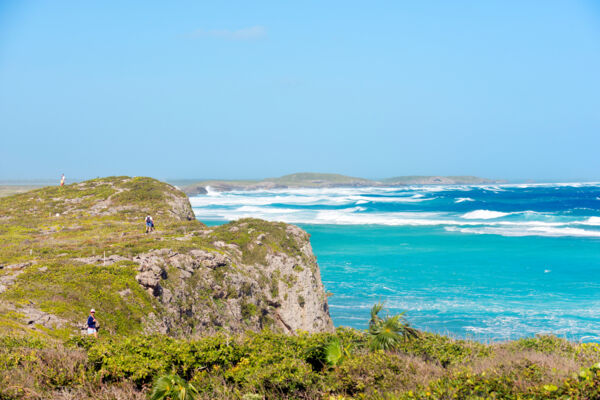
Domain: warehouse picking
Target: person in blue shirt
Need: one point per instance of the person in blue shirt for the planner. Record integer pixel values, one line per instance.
(92, 324)
(149, 224)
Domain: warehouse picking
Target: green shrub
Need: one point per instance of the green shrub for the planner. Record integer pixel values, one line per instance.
(273, 365)
(373, 372)
(248, 310)
(15, 350)
(141, 358)
(585, 385)
(443, 349)
(545, 344)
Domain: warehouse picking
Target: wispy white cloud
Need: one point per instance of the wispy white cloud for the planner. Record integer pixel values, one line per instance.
(252, 33)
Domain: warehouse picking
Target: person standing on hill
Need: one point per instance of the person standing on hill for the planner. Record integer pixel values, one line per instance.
(62, 180)
(92, 324)
(149, 224)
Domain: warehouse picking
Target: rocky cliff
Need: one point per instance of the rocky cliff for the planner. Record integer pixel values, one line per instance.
(65, 250)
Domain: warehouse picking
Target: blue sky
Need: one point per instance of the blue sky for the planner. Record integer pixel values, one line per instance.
(195, 89)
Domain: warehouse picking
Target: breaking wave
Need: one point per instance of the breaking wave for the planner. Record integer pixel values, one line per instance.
(463, 199)
(484, 214)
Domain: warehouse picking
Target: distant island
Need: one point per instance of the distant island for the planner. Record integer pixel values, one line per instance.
(321, 180)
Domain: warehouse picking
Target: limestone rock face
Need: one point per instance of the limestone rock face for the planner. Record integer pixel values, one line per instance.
(204, 291)
(180, 207)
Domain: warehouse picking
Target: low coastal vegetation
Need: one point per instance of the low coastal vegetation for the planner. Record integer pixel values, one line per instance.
(269, 365)
(227, 312)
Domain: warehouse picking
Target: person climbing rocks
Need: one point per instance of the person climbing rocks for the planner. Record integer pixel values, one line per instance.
(62, 180)
(92, 324)
(149, 224)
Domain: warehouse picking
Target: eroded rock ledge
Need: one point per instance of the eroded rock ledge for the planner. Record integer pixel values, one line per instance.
(204, 291)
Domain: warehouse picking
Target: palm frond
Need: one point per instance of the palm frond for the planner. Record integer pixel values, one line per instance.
(375, 310)
(387, 333)
(334, 352)
(172, 386)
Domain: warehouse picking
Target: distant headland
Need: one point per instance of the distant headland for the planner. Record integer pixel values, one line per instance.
(194, 187)
(321, 180)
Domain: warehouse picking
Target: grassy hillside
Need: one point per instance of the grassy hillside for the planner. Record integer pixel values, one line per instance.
(46, 234)
(307, 179)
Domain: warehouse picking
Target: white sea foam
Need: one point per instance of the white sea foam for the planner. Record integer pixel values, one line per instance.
(526, 231)
(341, 217)
(484, 214)
(417, 198)
(357, 216)
(595, 221)
(304, 197)
(549, 184)
(493, 188)
(463, 199)
(266, 210)
(232, 200)
(357, 206)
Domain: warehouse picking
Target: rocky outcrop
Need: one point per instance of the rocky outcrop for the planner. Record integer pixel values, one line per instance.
(204, 291)
(195, 190)
(10, 274)
(179, 206)
(111, 259)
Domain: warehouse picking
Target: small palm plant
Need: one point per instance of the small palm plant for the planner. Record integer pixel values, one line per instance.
(387, 333)
(335, 352)
(173, 387)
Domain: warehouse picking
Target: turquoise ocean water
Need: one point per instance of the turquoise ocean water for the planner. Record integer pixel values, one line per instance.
(488, 262)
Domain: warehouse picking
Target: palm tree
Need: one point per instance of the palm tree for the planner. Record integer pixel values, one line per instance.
(173, 387)
(387, 333)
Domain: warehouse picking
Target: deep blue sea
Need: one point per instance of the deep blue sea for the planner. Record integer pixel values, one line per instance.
(486, 262)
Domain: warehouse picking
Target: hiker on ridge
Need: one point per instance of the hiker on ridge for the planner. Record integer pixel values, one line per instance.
(149, 224)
